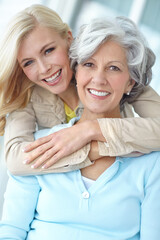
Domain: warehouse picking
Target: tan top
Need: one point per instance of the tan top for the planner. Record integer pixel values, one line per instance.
(123, 136)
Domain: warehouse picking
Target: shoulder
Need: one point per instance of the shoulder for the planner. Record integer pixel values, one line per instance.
(141, 171)
(23, 180)
(144, 164)
(148, 160)
(151, 158)
(42, 95)
(48, 107)
(47, 131)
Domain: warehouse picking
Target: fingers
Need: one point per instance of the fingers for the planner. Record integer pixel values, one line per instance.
(50, 157)
(37, 143)
(53, 160)
(48, 150)
(41, 150)
(47, 155)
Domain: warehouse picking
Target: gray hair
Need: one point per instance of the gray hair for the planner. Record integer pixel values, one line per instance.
(122, 30)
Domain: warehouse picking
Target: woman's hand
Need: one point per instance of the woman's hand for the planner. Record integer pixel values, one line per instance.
(55, 146)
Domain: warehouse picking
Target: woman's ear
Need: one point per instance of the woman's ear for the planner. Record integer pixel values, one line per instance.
(130, 86)
(70, 37)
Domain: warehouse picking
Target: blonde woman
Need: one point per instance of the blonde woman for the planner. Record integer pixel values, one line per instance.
(37, 89)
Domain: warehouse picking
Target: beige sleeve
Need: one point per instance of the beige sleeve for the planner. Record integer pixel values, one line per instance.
(20, 127)
(129, 135)
(123, 136)
(147, 104)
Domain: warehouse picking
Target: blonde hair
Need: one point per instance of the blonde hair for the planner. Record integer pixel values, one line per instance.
(15, 87)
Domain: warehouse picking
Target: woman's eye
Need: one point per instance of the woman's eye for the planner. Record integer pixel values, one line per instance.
(114, 68)
(88, 64)
(28, 63)
(49, 50)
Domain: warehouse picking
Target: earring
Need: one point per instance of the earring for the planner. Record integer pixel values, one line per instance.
(128, 93)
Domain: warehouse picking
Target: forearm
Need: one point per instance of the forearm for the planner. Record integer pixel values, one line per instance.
(147, 104)
(118, 137)
(95, 136)
(66, 162)
(131, 135)
(18, 133)
(94, 151)
(95, 133)
(125, 136)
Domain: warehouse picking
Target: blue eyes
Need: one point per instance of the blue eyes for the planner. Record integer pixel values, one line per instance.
(28, 63)
(49, 50)
(46, 52)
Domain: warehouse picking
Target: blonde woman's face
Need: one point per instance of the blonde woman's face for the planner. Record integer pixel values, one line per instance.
(103, 79)
(43, 56)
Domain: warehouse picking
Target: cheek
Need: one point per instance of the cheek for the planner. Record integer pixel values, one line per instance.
(30, 73)
(62, 57)
(81, 77)
(120, 84)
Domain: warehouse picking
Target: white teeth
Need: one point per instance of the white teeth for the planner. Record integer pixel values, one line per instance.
(53, 77)
(98, 93)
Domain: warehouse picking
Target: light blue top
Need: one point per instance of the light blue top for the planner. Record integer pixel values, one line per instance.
(122, 204)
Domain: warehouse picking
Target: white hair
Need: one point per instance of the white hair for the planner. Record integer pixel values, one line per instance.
(122, 30)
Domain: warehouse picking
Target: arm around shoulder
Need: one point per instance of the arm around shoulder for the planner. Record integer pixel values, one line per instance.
(148, 103)
(134, 134)
(129, 135)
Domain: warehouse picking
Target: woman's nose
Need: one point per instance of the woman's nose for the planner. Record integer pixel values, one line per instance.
(43, 67)
(99, 77)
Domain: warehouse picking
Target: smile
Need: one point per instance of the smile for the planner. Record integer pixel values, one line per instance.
(98, 93)
(53, 77)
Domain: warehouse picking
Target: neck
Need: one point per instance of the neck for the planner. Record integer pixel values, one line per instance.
(70, 96)
(88, 115)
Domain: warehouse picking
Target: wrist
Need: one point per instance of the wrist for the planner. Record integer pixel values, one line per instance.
(94, 131)
(90, 131)
(94, 153)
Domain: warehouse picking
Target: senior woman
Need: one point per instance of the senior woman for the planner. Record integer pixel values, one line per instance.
(115, 197)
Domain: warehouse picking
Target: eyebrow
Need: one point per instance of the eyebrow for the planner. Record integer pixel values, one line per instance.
(45, 46)
(115, 61)
(110, 62)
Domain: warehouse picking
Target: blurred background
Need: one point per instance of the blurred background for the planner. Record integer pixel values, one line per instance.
(145, 13)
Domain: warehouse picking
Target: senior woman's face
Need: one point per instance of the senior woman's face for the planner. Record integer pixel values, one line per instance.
(43, 56)
(103, 79)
